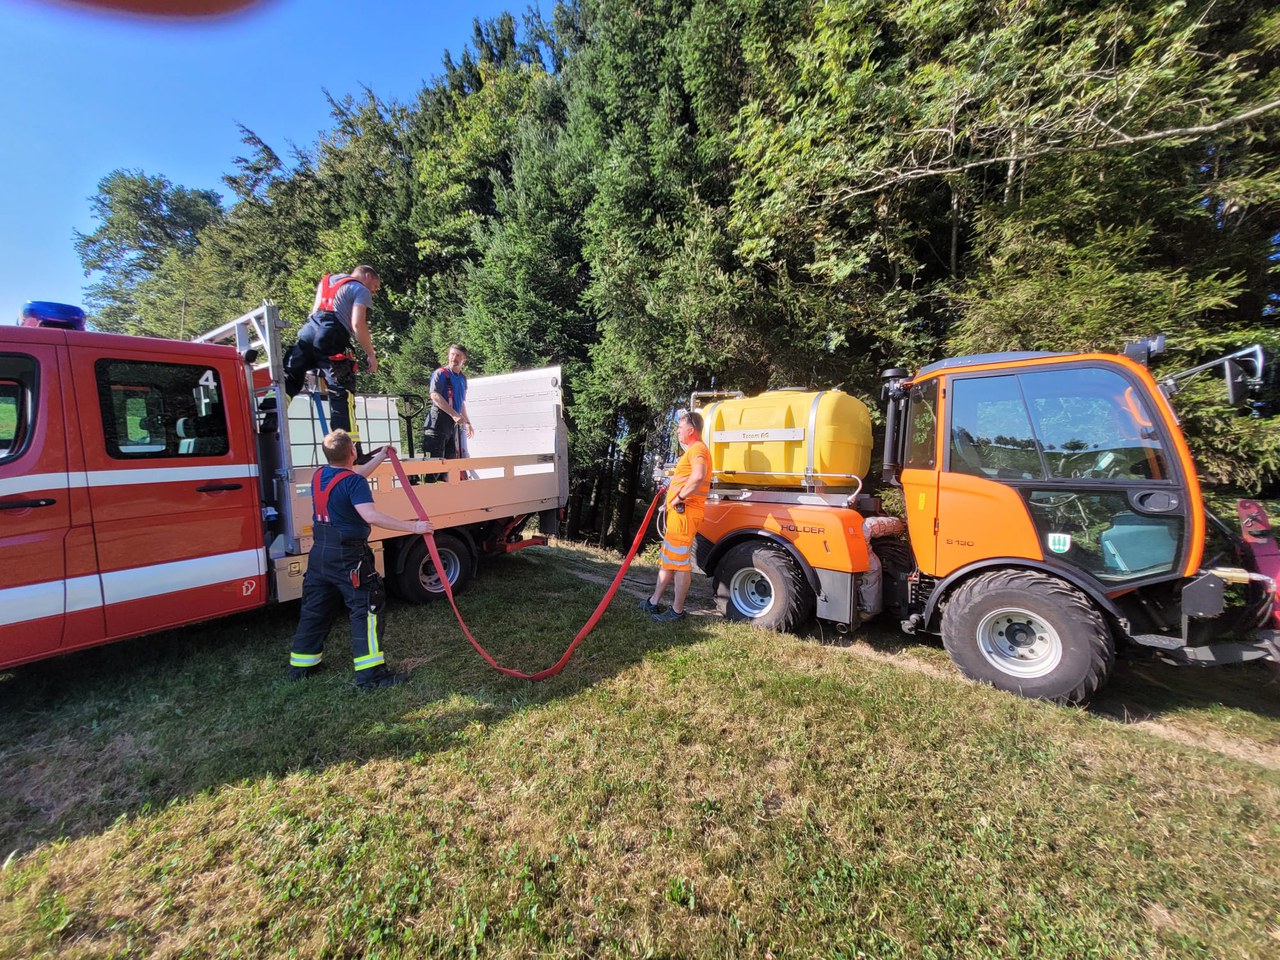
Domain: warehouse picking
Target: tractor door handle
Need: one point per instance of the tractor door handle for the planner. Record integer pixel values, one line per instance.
(218, 487)
(26, 504)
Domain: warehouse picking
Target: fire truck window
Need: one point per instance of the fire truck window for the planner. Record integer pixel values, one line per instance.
(17, 411)
(1094, 426)
(922, 427)
(161, 410)
(990, 433)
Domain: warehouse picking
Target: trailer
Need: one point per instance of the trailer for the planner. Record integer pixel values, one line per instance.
(146, 484)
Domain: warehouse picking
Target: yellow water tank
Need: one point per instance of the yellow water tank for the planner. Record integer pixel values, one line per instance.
(789, 438)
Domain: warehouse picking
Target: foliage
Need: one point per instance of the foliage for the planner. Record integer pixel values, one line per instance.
(681, 194)
(142, 220)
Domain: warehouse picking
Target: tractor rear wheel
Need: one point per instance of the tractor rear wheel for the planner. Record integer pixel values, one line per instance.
(761, 584)
(1028, 633)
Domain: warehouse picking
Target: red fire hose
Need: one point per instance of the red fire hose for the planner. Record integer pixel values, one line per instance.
(448, 587)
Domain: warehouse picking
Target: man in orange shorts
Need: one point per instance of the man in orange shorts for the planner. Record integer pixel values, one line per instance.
(686, 503)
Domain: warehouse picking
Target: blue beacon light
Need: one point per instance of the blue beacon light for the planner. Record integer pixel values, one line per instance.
(46, 313)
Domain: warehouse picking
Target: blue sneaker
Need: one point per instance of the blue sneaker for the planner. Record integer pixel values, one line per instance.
(651, 608)
(670, 616)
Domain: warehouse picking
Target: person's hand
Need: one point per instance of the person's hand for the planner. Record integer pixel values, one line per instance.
(471, 431)
(372, 362)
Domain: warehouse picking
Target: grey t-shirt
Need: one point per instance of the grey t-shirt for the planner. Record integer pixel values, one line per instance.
(348, 295)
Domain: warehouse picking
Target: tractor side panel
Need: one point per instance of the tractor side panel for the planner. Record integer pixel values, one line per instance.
(979, 519)
(828, 538)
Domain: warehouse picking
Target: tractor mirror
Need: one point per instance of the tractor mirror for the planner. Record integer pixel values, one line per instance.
(1237, 382)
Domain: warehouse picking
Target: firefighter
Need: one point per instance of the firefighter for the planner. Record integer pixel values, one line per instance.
(340, 567)
(340, 312)
(686, 503)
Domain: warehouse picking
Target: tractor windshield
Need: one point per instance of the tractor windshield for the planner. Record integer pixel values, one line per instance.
(1092, 424)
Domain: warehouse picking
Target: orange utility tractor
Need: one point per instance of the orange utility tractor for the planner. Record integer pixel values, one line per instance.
(1052, 514)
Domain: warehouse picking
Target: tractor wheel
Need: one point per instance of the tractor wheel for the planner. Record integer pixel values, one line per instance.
(418, 580)
(1028, 633)
(896, 559)
(761, 584)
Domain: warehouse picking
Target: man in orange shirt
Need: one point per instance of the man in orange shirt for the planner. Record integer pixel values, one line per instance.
(686, 504)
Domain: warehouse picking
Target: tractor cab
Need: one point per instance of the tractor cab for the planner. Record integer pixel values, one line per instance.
(1073, 462)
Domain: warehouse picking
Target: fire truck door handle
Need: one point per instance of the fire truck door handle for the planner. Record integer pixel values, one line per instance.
(218, 487)
(26, 504)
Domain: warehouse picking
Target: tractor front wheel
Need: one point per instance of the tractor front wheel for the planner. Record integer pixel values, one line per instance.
(1028, 633)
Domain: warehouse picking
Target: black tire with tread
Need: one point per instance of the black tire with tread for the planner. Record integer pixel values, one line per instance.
(793, 598)
(415, 579)
(896, 558)
(1088, 648)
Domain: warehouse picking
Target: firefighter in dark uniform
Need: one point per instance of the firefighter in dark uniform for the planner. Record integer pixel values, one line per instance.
(339, 314)
(340, 567)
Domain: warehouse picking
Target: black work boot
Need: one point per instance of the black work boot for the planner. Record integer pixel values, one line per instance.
(301, 673)
(381, 677)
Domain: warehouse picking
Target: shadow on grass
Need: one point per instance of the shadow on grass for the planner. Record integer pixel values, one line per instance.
(131, 726)
(1147, 689)
(1242, 699)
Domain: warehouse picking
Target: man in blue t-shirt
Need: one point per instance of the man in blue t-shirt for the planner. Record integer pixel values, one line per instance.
(340, 567)
(447, 414)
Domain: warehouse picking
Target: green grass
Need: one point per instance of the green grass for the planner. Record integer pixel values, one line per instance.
(8, 419)
(696, 790)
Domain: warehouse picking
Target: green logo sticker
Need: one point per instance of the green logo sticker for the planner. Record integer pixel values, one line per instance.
(1059, 542)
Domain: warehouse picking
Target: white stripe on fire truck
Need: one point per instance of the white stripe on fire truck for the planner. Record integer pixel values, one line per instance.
(31, 602)
(119, 478)
(84, 593)
(37, 600)
(139, 583)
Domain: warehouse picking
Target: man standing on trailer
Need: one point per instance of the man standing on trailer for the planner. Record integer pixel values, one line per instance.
(340, 567)
(447, 414)
(340, 312)
(686, 504)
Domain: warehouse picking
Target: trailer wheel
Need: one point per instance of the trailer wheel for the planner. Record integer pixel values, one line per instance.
(418, 580)
(1028, 633)
(759, 583)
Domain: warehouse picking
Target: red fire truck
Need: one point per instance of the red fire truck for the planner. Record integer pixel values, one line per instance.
(146, 484)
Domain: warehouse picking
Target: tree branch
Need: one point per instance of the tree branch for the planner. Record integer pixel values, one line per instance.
(1120, 140)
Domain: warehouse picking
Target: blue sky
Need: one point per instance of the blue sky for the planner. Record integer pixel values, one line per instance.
(85, 93)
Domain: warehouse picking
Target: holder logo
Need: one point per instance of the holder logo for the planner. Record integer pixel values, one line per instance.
(1059, 542)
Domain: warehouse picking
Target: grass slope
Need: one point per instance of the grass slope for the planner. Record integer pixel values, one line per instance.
(700, 790)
